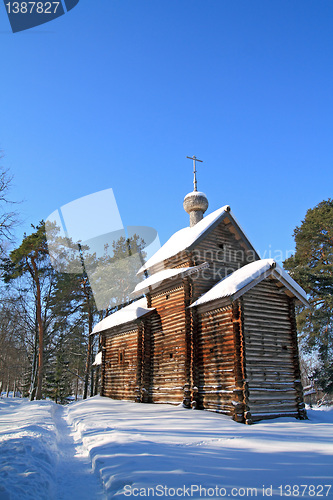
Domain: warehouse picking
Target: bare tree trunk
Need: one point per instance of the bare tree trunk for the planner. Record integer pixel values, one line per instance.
(92, 374)
(88, 362)
(32, 389)
(40, 332)
(33, 386)
(90, 337)
(34, 374)
(96, 381)
(77, 385)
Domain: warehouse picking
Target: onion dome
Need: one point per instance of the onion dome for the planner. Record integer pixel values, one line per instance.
(195, 204)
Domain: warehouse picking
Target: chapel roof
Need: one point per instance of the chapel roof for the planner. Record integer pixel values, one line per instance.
(188, 237)
(236, 284)
(129, 313)
(157, 278)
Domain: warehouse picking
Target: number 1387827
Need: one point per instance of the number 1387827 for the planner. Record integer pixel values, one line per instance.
(32, 7)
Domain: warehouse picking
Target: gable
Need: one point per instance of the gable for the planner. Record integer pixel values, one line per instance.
(186, 240)
(223, 249)
(245, 278)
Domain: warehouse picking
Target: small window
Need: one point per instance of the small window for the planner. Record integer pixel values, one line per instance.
(121, 356)
(171, 355)
(221, 246)
(166, 297)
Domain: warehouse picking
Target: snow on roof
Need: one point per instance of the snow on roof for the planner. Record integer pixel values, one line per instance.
(125, 315)
(244, 276)
(98, 359)
(195, 193)
(183, 239)
(157, 278)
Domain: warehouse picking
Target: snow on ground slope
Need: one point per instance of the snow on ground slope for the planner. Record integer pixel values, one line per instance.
(27, 436)
(158, 450)
(38, 455)
(141, 446)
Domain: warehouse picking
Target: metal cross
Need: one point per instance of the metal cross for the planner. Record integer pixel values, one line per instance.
(194, 158)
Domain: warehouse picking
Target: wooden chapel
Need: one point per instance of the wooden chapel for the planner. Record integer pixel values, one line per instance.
(214, 327)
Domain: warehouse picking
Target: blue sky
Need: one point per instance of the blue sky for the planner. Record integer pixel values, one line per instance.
(116, 93)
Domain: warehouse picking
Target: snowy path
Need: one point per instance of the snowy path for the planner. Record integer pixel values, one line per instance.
(74, 475)
(38, 457)
(102, 449)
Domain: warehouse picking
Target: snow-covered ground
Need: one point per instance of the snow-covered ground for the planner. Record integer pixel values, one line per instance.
(101, 448)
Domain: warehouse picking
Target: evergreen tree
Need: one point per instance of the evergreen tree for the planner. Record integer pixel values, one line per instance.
(312, 268)
(58, 378)
(30, 260)
(55, 306)
(73, 299)
(114, 277)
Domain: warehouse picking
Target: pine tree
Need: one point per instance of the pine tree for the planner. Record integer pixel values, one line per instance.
(30, 260)
(114, 278)
(56, 308)
(312, 268)
(73, 299)
(58, 378)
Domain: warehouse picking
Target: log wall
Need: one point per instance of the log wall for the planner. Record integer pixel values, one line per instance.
(121, 364)
(168, 350)
(271, 357)
(215, 371)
